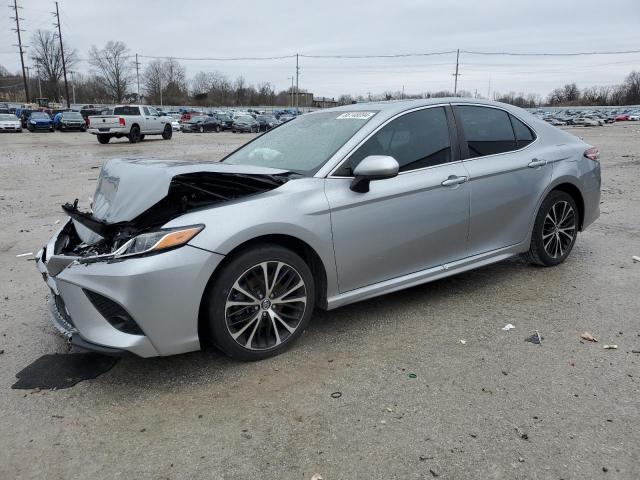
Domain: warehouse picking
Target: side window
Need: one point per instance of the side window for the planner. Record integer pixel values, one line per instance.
(145, 110)
(488, 130)
(524, 135)
(416, 140)
(153, 111)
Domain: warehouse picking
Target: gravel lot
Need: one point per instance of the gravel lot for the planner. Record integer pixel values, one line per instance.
(497, 407)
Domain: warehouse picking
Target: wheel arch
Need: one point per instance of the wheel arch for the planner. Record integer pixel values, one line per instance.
(576, 194)
(295, 244)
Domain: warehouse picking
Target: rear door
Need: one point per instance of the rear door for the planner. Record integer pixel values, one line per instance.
(507, 175)
(414, 221)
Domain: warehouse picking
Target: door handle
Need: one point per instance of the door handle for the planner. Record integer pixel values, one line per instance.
(453, 180)
(535, 163)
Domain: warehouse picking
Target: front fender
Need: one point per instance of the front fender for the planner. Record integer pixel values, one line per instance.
(297, 209)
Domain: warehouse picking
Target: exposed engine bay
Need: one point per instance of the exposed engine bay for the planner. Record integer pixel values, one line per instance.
(126, 187)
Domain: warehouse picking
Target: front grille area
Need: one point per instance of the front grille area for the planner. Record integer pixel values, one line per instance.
(113, 313)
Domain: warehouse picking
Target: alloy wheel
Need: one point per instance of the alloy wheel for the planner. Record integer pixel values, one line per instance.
(265, 305)
(559, 229)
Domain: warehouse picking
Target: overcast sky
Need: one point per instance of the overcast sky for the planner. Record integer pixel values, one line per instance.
(189, 28)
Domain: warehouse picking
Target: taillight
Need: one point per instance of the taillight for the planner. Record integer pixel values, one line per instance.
(121, 121)
(592, 153)
(88, 121)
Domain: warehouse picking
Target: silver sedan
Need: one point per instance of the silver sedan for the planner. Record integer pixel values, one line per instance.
(331, 208)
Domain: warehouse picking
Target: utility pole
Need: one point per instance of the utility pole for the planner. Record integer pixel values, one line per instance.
(73, 85)
(455, 85)
(402, 92)
(64, 65)
(39, 84)
(160, 82)
(297, 90)
(138, 76)
(291, 78)
(17, 30)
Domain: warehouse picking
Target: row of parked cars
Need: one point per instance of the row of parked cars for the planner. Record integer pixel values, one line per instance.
(587, 118)
(42, 121)
(251, 121)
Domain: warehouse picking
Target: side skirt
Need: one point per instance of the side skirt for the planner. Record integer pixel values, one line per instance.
(424, 276)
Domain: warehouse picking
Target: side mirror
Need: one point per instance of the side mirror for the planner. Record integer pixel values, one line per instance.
(373, 167)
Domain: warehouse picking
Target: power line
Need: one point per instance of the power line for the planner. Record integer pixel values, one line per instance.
(393, 55)
(550, 54)
(217, 59)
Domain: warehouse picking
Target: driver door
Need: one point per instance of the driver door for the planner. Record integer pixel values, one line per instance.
(408, 223)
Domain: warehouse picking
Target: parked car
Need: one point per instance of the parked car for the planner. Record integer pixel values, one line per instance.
(245, 123)
(70, 121)
(9, 123)
(175, 124)
(131, 121)
(267, 122)
(202, 123)
(634, 118)
(186, 116)
(226, 122)
(622, 118)
(39, 121)
(334, 207)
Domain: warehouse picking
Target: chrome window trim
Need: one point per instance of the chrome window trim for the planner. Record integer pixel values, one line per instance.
(535, 133)
(382, 125)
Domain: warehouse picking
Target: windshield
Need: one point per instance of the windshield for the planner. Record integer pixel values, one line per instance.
(40, 116)
(304, 144)
(72, 116)
(7, 117)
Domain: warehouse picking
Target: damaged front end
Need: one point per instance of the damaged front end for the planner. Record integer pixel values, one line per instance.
(135, 198)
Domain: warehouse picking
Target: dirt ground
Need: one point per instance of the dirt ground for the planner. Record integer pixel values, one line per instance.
(496, 407)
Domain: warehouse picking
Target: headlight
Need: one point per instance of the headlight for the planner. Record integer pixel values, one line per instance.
(33, 122)
(158, 241)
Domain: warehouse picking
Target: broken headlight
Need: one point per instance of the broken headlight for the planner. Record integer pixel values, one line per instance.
(157, 241)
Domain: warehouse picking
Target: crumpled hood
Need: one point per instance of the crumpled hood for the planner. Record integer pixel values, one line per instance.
(127, 187)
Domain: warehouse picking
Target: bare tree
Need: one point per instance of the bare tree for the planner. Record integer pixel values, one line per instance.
(166, 76)
(240, 93)
(114, 68)
(632, 85)
(47, 56)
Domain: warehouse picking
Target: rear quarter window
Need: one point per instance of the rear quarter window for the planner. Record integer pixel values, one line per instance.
(524, 135)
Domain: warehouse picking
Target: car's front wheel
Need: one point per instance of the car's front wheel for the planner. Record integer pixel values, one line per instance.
(555, 230)
(260, 302)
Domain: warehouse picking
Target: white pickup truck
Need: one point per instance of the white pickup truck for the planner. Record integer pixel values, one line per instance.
(131, 121)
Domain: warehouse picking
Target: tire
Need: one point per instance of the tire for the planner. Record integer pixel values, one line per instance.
(200, 129)
(134, 134)
(30, 128)
(218, 129)
(103, 139)
(263, 341)
(233, 130)
(141, 138)
(167, 133)
(551, 245)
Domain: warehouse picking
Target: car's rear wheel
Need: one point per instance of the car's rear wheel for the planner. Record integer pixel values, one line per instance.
(261, 301)
(167, 133)
(555, 230)
(134, 134)
(103, 139)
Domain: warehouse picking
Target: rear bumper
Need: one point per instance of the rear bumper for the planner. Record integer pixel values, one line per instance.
(108, 131)
(162, 293)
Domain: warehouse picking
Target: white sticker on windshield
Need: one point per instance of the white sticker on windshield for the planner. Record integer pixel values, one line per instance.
(355, 115)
